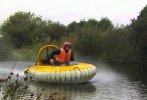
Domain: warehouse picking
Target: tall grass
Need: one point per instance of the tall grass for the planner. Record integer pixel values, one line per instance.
(15, 87)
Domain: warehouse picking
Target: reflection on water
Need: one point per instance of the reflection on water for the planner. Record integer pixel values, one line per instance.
(120, 89)
(72, 90)
(110, 83)
(67, 88)
(133, 71)
(116, 84)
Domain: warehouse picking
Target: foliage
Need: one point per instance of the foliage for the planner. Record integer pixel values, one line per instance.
(87, 41)
(22, 28)
(25, 28)
(89, 37)
(139, 27)
(104, 24)
(55, 30)
(16, 87)
(140, 24)
(119, 47)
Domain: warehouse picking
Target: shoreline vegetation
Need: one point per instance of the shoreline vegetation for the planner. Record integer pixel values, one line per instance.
(23, 33)
(15, 87)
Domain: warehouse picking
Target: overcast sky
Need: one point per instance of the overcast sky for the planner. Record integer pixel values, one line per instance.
(66, 11)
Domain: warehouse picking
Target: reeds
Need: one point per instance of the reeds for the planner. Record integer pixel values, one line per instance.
(16, 87)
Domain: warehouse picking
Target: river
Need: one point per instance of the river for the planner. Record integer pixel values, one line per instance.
(112, 82)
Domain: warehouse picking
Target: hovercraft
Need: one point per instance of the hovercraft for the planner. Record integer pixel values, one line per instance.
(75, 72)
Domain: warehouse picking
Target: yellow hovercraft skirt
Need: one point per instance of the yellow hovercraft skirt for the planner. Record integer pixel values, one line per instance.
(77, 73)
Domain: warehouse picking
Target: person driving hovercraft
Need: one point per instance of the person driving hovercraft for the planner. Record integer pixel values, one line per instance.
(62, 56)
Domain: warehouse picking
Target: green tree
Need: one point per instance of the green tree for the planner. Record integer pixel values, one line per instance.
(73, 26)
(139, 26)
(22, 28)
(87, 41)
(104, 24)
(92, 22)
(55, 30)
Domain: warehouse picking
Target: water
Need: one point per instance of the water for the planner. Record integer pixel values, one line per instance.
(112, 82)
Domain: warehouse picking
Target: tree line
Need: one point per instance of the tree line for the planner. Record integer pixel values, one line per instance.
(99, 39)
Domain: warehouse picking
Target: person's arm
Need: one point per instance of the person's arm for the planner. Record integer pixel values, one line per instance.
(56, 52)
(51, 57)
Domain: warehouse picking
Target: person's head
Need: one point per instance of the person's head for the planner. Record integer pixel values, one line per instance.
(67, 46)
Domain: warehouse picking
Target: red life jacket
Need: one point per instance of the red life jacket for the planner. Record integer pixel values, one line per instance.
(63, 57)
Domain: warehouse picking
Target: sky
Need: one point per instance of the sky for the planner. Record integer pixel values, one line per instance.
(120, 12)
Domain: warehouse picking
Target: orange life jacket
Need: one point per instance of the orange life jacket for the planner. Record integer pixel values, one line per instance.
(63, 57)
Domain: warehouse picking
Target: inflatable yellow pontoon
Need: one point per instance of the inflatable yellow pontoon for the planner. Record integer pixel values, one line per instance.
(75, 72)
